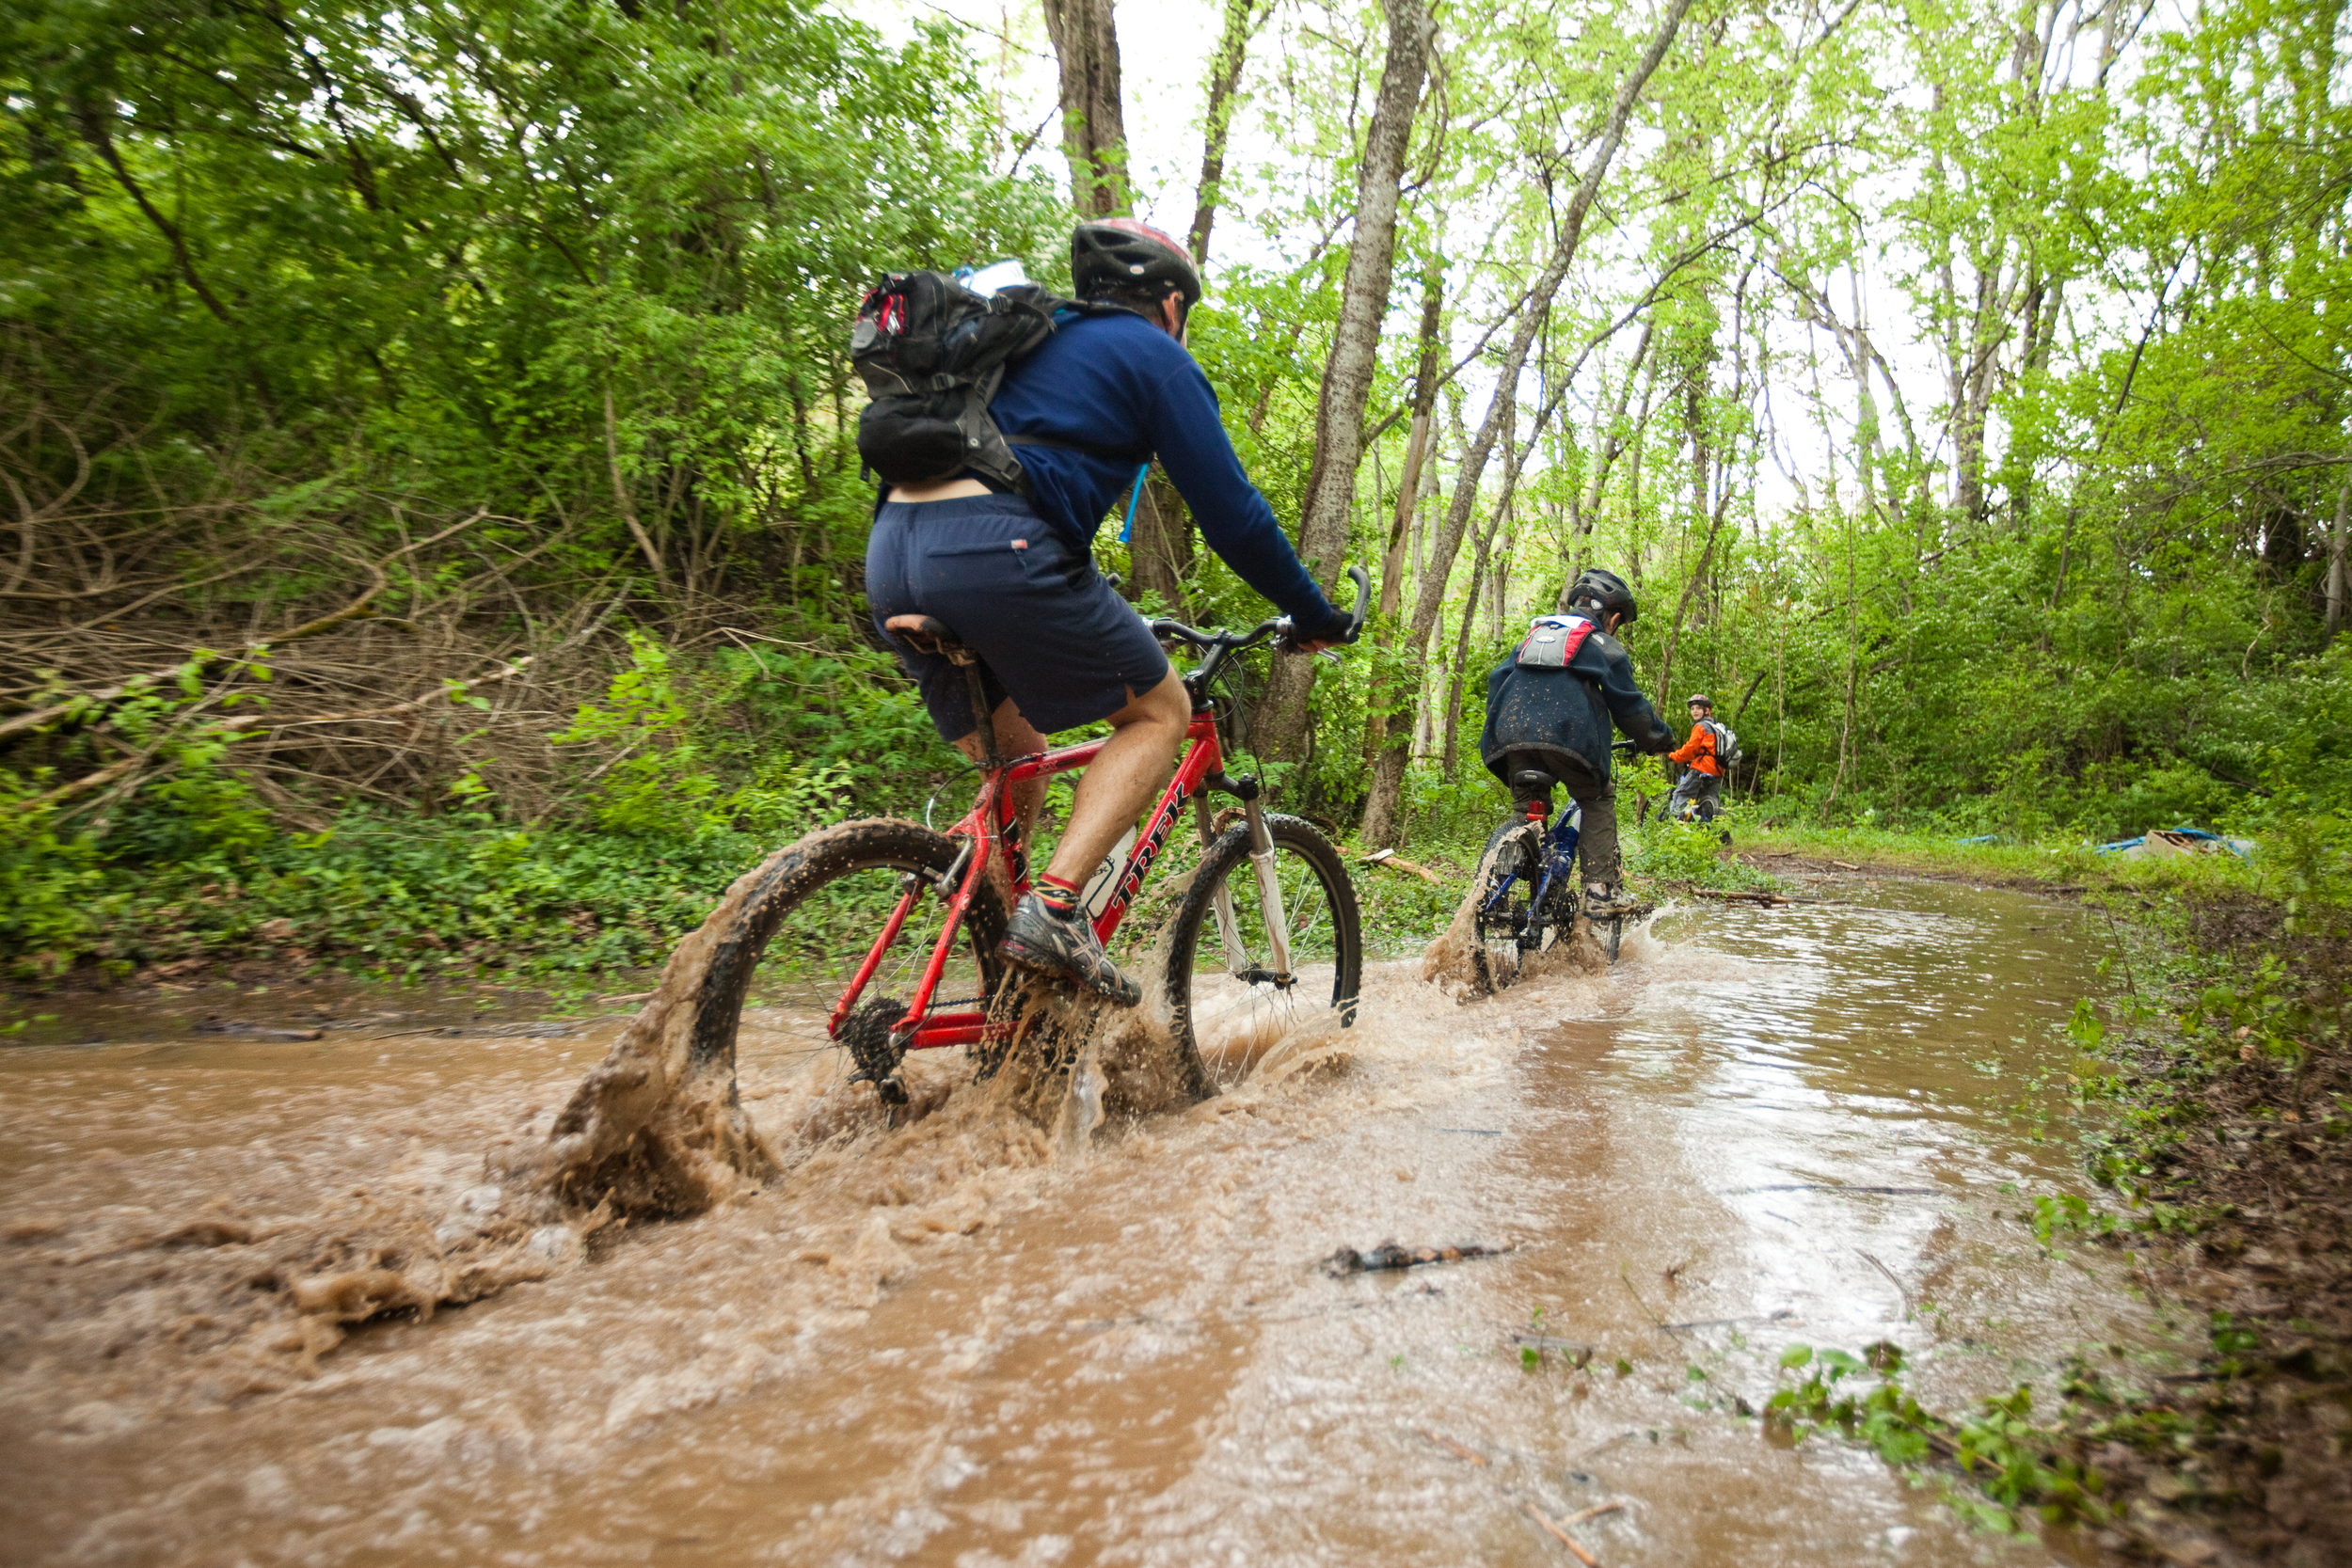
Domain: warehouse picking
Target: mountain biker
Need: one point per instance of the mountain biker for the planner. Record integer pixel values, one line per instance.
(1549, 709)
(1699, 792)
(1013, 575)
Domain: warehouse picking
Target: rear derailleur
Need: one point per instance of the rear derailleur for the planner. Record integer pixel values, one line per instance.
(868, 1034)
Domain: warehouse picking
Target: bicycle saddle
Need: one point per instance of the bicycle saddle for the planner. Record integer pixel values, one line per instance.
(929, 636)
(1533, 781)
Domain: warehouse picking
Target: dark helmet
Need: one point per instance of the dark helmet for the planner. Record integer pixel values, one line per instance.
(1604, 592)
(1699, 699)
(1113, 254)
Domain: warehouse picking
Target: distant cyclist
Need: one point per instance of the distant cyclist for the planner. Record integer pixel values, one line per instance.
(1013, 576)
(1698, 794)
(1549, 708)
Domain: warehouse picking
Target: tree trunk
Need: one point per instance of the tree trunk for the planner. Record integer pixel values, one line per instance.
(1355, 344)
(1242, 19)
(1499, 582)
(1462, 646)
(1160, 551)
(1379, 699)
(2336, 567)
(1380, 812)
(1094, 127)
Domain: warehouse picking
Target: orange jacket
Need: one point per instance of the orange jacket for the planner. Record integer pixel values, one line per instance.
(1699, 751)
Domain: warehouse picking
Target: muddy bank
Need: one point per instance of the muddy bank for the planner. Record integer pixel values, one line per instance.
(2242, 1131)
(1803, 863)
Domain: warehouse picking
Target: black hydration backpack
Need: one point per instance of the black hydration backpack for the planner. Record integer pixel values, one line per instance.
(933, 354)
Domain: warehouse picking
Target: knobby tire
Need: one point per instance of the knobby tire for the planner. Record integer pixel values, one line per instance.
(792, 880)
(1226, 862)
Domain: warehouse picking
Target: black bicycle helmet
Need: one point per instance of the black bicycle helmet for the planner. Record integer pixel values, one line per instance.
(1604, 592)
(1108, 255)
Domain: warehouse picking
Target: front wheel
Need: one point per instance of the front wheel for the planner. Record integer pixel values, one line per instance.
(1229, 995)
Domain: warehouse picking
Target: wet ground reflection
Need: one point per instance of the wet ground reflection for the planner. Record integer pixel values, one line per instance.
(1810, 1124)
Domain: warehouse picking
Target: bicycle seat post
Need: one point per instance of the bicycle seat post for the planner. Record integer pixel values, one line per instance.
(982, 717)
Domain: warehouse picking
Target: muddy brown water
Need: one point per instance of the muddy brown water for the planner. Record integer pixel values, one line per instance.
(1765, 1126)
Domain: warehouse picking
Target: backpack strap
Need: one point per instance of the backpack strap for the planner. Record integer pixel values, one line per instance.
(1117, 455)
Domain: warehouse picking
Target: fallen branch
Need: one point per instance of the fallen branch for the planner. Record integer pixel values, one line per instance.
(1901, 1288)
(360, 606)
(1561, 1536)
(1391, 857)
(1388, 1255)
(250, 720)
(1456, 1449)
(1768, 901)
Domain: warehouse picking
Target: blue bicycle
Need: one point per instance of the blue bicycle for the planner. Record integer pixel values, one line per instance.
(1528, 893)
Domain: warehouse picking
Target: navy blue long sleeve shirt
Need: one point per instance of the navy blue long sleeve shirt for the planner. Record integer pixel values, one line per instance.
(1115, 382)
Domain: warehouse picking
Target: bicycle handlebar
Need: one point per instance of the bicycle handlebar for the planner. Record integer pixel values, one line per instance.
(1279, 629)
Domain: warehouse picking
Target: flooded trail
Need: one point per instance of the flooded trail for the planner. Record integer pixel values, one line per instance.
(945, 1345)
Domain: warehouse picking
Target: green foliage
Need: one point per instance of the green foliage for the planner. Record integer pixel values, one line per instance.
(2018, 1466)
(412, 895)
(283, 283)
(47, 885)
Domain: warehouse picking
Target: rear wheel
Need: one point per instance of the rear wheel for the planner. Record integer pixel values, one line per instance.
(1228, 997)
(809, 921)
(1508, 871)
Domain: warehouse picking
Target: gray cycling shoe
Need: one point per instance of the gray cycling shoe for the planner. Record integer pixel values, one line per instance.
(1037, 939)
(1603, 902)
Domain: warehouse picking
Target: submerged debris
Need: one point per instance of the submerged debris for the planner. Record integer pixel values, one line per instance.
(255, 1031)
(1389, 1255)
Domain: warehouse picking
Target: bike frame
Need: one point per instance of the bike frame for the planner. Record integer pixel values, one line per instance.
(1558, 851)
(992, 828)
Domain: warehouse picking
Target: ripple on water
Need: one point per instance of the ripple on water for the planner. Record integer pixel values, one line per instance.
(943, 1345)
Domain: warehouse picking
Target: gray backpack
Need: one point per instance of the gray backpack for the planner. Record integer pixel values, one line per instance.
(1727, 744)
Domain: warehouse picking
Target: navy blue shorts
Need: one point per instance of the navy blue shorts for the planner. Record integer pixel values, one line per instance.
(1051, 634)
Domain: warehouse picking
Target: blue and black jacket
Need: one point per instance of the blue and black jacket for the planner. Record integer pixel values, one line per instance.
(1559, 719)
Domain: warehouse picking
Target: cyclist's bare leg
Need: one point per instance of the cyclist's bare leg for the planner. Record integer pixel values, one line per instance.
(1015, 738)
(1125, 777)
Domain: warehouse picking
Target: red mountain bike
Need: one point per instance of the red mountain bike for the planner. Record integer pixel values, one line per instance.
(859, 928)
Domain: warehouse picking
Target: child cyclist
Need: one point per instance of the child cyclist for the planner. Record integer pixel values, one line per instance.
(1699, 794)
(1550, 708)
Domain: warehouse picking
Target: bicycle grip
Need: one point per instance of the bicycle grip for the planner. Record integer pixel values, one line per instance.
(1364, 601)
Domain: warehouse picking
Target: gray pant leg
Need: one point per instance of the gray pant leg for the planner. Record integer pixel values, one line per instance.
(1709, 795)
(1703, 790)
(1596, 851)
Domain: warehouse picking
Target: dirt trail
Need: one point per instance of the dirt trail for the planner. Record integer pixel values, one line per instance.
(975, 1340)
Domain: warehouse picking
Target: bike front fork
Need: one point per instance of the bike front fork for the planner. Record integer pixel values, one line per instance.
(1269, 887)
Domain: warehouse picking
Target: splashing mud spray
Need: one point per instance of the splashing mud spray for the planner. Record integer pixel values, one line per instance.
(951, 1337)
(1457, 962)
